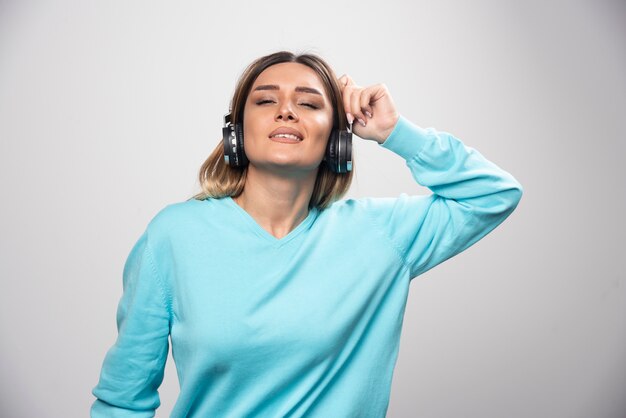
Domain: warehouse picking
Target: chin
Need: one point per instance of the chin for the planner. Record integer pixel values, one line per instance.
(287, 165)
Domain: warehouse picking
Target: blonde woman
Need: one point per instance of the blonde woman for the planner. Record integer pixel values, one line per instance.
(279, 298)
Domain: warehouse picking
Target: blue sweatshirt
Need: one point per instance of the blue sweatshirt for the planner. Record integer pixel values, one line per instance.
(306, 325)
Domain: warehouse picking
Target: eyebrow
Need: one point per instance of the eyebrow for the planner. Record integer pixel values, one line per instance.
(298, 89)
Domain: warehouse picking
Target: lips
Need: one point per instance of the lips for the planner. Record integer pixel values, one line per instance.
(285, 134)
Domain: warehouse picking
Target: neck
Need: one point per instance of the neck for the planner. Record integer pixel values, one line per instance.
(276, 202)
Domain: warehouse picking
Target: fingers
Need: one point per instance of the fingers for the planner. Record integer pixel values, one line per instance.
(345, 80)
(367, 98)
(347, 84)
(372, 106)
(351, 99)
(357, 100)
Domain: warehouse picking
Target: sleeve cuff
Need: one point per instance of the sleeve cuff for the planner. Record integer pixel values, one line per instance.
(406, 139)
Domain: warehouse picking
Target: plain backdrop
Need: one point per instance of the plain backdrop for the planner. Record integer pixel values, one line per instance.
(108, 109)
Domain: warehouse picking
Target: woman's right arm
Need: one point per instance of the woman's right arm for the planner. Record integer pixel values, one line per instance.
(133, 368)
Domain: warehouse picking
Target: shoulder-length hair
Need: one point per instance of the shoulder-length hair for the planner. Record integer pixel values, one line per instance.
(218, 179)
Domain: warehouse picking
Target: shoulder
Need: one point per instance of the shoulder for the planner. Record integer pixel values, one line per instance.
(379, 210)
(360, 208)
(182, 216)
(363, 205)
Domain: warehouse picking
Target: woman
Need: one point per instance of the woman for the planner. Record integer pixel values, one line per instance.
(280, 299)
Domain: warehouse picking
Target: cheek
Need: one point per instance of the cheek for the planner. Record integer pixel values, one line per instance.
(253, 125)
(324, 123)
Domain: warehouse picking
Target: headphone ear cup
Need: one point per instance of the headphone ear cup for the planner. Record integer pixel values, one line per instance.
(241, 153)
(230, 144)
(339, 151)
(345, 149)
(234, 154)
(331, 150)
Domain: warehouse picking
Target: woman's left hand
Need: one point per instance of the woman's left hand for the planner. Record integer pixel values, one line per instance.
(372, 109)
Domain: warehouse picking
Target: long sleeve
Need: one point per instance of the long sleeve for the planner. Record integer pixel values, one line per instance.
(133, 368)
(471, 196)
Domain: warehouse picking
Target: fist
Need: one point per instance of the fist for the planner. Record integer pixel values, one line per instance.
(371, 108)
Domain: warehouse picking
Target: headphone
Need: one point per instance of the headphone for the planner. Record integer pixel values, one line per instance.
(338, 151)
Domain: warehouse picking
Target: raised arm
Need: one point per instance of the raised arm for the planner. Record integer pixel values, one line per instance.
(471, 195)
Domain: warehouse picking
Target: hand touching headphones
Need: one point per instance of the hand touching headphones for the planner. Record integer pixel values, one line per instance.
(371, 107)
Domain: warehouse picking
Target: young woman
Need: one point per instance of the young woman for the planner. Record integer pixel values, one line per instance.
(280, 299)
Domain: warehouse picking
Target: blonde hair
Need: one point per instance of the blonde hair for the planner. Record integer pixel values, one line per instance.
(218, 179)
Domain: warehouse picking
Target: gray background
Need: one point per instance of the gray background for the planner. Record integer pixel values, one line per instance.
(108, 109)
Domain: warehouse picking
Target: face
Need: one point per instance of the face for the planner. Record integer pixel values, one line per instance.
(287, 119)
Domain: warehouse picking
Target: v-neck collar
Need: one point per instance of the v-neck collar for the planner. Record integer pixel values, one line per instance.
(260, 231)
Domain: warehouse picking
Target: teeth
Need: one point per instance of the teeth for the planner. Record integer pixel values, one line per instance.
(290, 136)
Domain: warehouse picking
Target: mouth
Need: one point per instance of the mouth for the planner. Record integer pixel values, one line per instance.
(288, 135)
(285, 138)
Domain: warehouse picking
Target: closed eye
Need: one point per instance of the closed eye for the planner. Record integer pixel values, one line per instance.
(269, 101)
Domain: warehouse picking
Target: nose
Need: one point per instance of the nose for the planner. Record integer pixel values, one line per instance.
(286, 113)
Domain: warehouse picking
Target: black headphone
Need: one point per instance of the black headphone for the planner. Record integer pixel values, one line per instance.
(338, 151)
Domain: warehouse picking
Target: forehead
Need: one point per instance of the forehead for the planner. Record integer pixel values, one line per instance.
(289, 75)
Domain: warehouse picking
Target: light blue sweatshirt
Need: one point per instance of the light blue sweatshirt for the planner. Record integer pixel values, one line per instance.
(306, 325)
